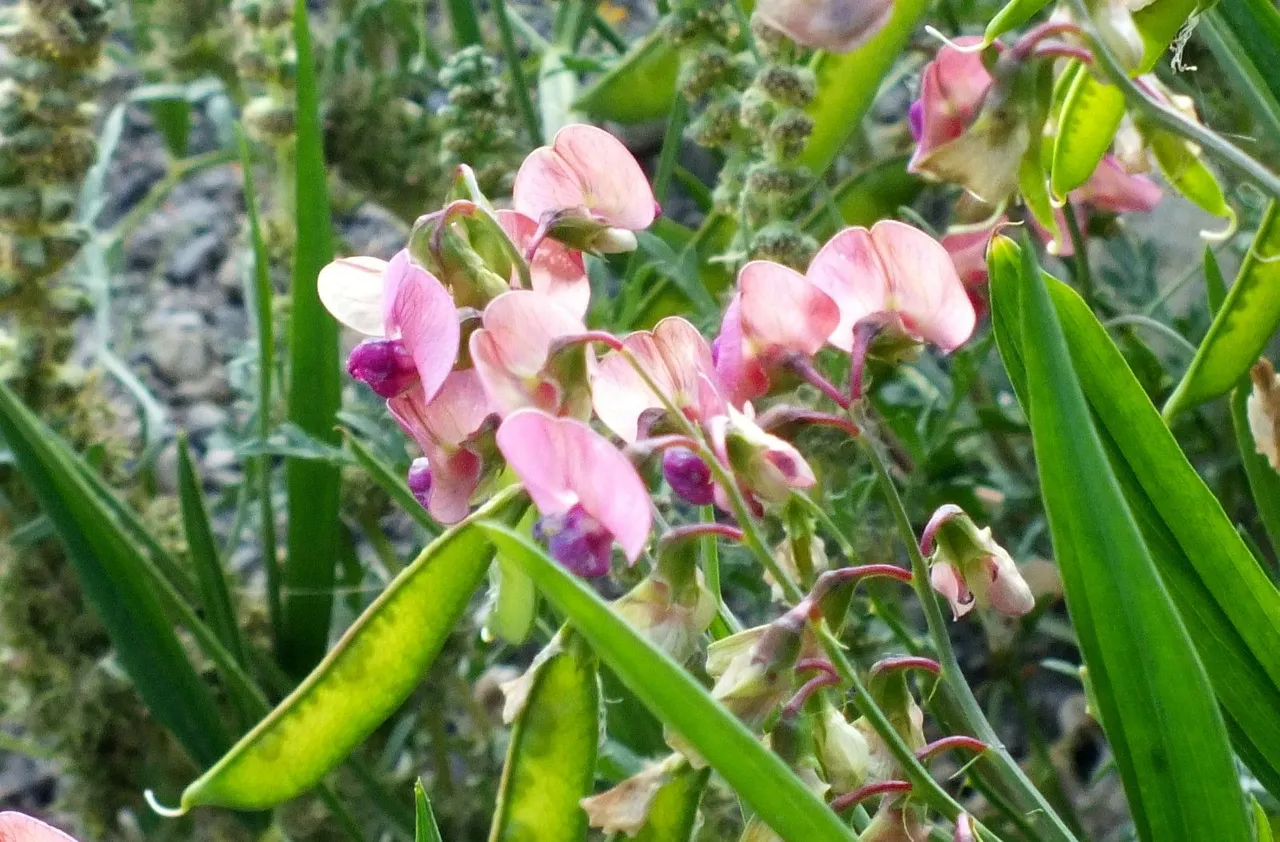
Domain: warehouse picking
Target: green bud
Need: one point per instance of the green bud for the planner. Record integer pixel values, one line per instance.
(790, 131)
(784, 242)
(789, 85)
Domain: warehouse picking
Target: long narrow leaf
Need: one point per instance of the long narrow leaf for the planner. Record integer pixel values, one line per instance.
(110, 573)
(425, 829)
(1155, 700)
(762, 780)
(314, 390)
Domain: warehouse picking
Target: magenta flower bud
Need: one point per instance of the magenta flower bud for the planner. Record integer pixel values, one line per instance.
(915, 119)
(688, 476)
(419, 480)
(576, 540)
(384, 365)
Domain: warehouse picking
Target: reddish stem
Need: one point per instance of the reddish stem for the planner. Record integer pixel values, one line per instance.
(940, 517)
(782, 415)
(586, 338)
(804, 367)
(1027, 43)
(792, 708)
(936, 747)
(700, 530)
(1059, 50)
(905, 662)
(852, 799)
(821, 664)
(864, 334)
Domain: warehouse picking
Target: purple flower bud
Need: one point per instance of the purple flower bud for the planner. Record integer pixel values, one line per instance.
(688, 475)
(915, 119)
(420, 480)
(385, 365)
(576, 540)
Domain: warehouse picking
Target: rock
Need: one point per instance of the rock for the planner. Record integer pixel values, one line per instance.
(177, 345)
(205, 416)
(213, 386)
(167, 469)
(196, 258)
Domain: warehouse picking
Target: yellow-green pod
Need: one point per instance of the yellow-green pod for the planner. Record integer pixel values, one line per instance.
(551, 762)
(1033, 186)
(1087, 123)
(1014, 14)
(1190, 176)
(673, 815)
(370, 673)
(513, 600)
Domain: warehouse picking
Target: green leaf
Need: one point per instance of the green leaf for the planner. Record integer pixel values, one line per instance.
(370, 673)
(172, 116)
(673, 815)
(1155, 700)
(112, 574)
(1240, 331)
(315, 390)
(465, 22)
(848, 84)
(215, 596)
(1227, 602)
(866, 197)
(681, 268)
(1227, 28)
(425, 829)
(1255, 24)
(760, 778)
(1014, 14)
(551, 760)
(640, 87)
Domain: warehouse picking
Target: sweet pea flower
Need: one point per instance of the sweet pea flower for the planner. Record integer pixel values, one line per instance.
(588, 493)
(952, 89)
(406, 310)
(778, 317)
(555, 270)
(1111, 189)
(18, 827)
(836, 26)
(449, 430)
(586, 190)
(893, 277)
(967, 247)
(678, 360)
(969, 568)
(768, 467)
(513, 354)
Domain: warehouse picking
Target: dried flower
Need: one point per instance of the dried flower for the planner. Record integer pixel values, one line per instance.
(969, 568)
(1263, 408)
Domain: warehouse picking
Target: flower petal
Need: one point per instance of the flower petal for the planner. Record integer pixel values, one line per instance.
(1112, 189)
(952, 88)
(743, 377)
(556, 270)
(17, 827)
(613, 187)
(562, 461)
(350, 289)
(848, 270)
(967, 246)
(422, 312)
(783, 311)
(837, 26)
(512, 349)
(619, 394)
(948, 582)
(687, 359)
(924, 286)
(546, 184)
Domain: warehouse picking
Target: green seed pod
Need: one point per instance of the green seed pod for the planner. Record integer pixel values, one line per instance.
(717, 126)
(789, 85)
(790, 131)
(785, 243)
(702, 71)
(769, 183)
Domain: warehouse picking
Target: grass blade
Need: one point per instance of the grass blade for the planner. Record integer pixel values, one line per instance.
(315, 392)
(215, 596)
(425, 829)
(110, 570)
(763, 781)
(1155, 700)
(393, 484)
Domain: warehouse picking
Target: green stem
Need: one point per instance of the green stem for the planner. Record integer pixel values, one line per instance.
(725, 623)
(1083, 274)
(519, 84)
(465, 23)
(159, 192)
(969, 713)
(671, 142)
(1168, 118)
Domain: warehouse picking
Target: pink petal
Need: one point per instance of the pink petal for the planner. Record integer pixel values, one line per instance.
(948, 582)
(782, 311)
(952, 88)
(16, 827)
(562, 462)
(620, 395)
(1008, 592)
(351, 290)
(422, 312)
(614, 188)
(512, 349)
(546, 184)
(967, 246)
(837, 26)
(743, 376)
(849, 270)
(1112, 189)
(924, 287)
(687, 359)
(556, 270)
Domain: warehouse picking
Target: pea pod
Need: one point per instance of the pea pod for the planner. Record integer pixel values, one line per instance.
(360, 683)
(673, 815)
(1014, 14)
(552, 757)
(513, 598)
(1190, 176)
(1248, 319)
(1093, 110)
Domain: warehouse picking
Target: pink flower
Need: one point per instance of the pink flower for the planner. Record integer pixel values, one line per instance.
(677, 358)
(17, 827)
(897, 276)
(767, 467)
(778, 315)
(1111, 189)
(448, 428)
(556, 270)
(587, 491)
(952, 89)
(513, 355)
(837, 26)
(967, 246)
(586, 189)
(409, 312)
(969, 568)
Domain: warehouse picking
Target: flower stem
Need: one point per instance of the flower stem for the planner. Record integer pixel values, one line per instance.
(1080, 247)
(965, 708)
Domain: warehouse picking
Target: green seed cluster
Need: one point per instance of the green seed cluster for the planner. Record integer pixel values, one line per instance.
(267, 62)
(477, 122)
